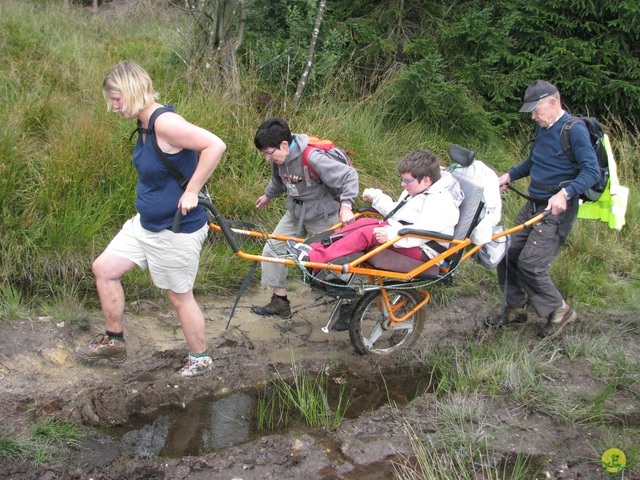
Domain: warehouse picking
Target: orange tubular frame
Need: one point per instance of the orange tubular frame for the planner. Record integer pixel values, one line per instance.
(354, 266)
(376, 276)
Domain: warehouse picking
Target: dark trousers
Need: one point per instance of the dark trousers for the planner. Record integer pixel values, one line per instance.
(524, 272)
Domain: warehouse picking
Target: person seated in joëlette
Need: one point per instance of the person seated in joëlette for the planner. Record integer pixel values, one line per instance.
(430, 201)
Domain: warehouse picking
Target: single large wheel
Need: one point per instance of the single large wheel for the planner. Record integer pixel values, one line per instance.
(370, 329)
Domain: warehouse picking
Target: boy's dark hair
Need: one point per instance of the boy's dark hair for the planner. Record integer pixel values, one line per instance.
(272, 133)
(421, 163)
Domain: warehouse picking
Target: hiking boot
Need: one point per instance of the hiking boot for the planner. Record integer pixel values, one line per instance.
(103, 347)
(557, 321)
(344, 318)
(511, 315)
(277, 306)
(196, 366)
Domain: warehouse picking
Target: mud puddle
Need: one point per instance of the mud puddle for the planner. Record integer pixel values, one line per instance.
(209, 423)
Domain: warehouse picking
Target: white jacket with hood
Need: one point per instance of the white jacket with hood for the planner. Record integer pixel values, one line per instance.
(435, 209)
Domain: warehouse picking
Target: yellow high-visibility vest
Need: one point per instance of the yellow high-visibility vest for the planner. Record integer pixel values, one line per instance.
(612, 205)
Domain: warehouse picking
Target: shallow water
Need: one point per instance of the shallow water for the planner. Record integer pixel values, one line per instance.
(210, 424)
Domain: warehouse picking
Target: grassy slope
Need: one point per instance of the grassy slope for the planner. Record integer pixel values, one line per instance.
(66, 185)
(67, 182)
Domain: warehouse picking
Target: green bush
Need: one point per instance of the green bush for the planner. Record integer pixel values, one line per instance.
(66, 179)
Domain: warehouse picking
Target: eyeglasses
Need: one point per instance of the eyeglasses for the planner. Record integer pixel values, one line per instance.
(407, 181)
(270, 154)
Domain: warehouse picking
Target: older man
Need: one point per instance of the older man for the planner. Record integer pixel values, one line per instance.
(556, 182)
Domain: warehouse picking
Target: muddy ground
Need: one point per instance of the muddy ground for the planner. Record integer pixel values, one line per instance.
(40, 377)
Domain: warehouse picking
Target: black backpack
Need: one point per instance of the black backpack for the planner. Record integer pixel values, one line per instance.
(596, 134)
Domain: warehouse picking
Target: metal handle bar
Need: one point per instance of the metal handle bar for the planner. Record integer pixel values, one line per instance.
(509, 231)
(226, 230)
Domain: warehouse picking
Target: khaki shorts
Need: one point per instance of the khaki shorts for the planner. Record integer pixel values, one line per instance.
(172, 258)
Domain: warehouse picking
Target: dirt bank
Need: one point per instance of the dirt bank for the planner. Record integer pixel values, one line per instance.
(40, 377)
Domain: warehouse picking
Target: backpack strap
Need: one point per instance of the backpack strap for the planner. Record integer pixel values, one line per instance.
(309, 172)
(150, 132)
(565, 138)
(315, 143)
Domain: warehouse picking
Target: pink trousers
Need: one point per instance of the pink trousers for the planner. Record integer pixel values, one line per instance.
(359, 238)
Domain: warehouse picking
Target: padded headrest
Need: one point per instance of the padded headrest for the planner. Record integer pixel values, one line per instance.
(469, 206)
(461, 155)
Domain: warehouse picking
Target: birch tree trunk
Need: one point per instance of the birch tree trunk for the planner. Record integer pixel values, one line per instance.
(312, 48)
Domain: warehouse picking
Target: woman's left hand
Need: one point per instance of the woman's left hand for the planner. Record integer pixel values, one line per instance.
(346, 215)
(188, 201)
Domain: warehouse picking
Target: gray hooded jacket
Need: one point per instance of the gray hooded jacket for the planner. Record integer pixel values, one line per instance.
(309, 200)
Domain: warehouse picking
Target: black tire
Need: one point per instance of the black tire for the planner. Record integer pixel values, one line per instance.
(369, 320)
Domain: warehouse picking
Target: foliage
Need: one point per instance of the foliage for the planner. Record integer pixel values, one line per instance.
(591, 51)
(421, 91)
(305, 396)
(50, 440)
(476, 54)
(66, 179)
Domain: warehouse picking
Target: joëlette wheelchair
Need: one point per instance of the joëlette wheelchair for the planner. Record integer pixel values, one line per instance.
(386, 292)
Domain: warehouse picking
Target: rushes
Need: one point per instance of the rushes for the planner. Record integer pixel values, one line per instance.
(466, 463)
(49, 441)
(11, 303)
(305, 396)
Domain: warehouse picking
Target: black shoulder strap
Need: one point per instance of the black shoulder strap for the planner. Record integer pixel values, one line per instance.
(565, 139)
(397, 207)
(150, 131)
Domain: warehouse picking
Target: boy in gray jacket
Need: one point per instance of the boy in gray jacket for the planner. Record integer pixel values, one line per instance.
(312, 205)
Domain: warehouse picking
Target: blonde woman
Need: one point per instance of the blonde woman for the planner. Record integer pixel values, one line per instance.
(146, 240)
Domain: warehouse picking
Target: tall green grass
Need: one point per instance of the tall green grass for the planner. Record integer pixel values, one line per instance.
(11, 303)
(67, 183)
(50, 440)
(305, 396)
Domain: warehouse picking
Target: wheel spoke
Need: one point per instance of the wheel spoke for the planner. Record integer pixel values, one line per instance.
(370, 330)
(375, 335)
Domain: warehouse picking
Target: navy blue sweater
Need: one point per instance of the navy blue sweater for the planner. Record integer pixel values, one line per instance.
(548, 165)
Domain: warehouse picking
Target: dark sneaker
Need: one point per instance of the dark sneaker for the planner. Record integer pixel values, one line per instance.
(344, 318)
(299, 250)
(196, 366)
(558, 320)
(511, 315)
(103, 347)
(277, 306)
